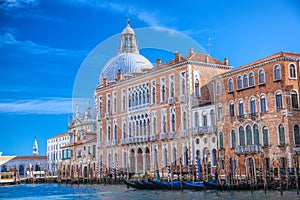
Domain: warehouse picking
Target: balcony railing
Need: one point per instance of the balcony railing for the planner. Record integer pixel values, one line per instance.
(248, 149)
(241, 116)
(114, 142)
(172, 134)
(107, 115)
(123, 141)
(171, 100)
(107, 143)
(182, 99)
(154, 137)
(183, 133)
(99, 144)
(203, 130)
(163, 136)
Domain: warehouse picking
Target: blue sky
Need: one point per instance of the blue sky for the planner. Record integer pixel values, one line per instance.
(43, 43)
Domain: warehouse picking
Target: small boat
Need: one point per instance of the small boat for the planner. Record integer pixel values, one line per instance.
(194, 185)
(8, 178)
(141, 185)
(171, 185)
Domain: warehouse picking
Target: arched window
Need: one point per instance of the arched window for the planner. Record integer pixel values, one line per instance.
(204, 119)
(249, 135)
(252, 106)
(221, 140)
(263, 105)
(197, 89)
(245, 81)
(164, 124)
(241, 109)
(154, 126)
(256, 134)
(196, 118)
(294, 99)
(265, 136)
(153, 92)
(184, 121)
(292, 71)
(230, 85)
(239, 83)
(218, 88)
(242, 136)
(231, 109)
(261, 76)
(281, 135)
(296, 135)
(278, 100)
(277, 72)
(251, 79)
(220, 112)
(233, 139)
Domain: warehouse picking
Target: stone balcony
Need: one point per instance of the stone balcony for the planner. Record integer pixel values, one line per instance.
(182, 99)
(154, 137)
(171, 100)
(114, 142)
(172, 134)
(248, 149)
(203, 130)
(164, 136)
(183, 133)
(107, 143)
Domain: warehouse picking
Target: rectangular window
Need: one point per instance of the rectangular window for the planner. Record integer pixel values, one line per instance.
(114, 102)
(162, 89)
(100, 107)
(220, 110)
(153, 92)
(231, 110)
(123, 100)
(172, 86)
(108, 103)
(182, 83)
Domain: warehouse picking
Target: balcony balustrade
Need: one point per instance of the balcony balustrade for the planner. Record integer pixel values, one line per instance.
(248, 149)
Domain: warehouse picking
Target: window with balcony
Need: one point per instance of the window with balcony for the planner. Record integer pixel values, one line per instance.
(239, 83)
(278, 100)
(184, 124)
(261, 76)
(231, 109)
(114, 102)
(281, 135)
(251, 79)
(100, 108)
(123, 100)
(164, 123)
(212, 117)
(245, 81)
(265, 136)
(249, 135)
(154, 123)
(204, 120)
(242, 136)
(256, 134)
(296, 135)
(108, 103)
(173, 121)
(277, 72)
(233, 139)
(294, 99)
(292, 71)
(230, 85)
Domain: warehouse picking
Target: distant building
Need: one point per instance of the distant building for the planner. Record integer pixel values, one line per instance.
(24, 164)
(54, 151)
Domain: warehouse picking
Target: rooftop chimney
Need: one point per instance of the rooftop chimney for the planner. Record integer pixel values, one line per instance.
(177, 56)
(104, 81)
(207, 58)
(191, 51)
(158, 61)
(119, 75)
(225, 61)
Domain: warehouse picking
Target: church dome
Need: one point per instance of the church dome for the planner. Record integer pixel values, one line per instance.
(128, 60)
(127, 63)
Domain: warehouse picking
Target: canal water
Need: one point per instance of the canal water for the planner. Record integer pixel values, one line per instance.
(111, 192)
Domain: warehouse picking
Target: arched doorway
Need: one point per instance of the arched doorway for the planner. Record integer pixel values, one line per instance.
(250, 168)
(132, 162)
(21, 170)
(85, 171)
(140, 161)
(147, 159)
(206, 161)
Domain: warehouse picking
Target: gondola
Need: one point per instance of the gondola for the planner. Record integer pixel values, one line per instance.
(220, 187)
(193, 185)
(138, 185)
(172, 185)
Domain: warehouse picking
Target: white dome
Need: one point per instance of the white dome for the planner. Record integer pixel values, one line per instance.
(128, 30)
(126, 62)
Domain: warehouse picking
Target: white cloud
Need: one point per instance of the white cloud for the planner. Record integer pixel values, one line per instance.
(38, 106)
(149, 17)
(17, 4)
(8, 39)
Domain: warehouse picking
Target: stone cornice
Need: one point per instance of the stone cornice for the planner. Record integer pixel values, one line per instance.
(236, 71)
